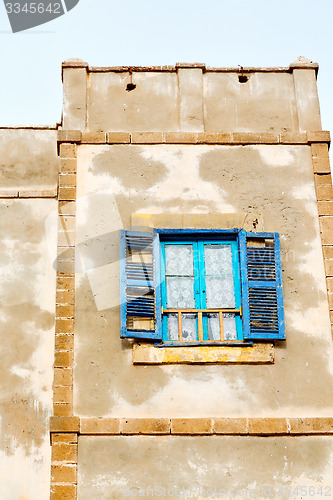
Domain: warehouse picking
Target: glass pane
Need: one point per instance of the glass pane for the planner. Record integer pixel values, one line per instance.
(220, 292)
(213, 327)
(173, 327)
(189, 327)
(180, 294)
(229, 324)
(179, 260)
(229, 327)
(218, 260)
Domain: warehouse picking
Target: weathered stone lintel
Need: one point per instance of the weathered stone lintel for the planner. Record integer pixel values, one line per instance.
(270, 426)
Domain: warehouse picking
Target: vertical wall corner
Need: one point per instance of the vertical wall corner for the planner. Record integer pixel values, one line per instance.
(307, 100)
(75, 78)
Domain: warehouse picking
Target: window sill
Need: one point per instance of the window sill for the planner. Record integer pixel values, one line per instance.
(258, 353)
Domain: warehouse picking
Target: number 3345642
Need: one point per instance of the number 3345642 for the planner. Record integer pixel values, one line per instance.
(33, 8)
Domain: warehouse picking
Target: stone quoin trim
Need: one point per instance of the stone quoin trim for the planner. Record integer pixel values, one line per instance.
(64, 446)
(324, 193)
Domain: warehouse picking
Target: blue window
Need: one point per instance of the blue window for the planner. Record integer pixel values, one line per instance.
(201, 286)
(200, 289)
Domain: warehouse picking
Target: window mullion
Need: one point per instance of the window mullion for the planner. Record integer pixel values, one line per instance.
(202, 286)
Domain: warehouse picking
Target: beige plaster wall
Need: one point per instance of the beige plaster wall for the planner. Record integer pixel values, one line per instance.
(29, 161)
(188, 99)
(27, 291)
(238, 467)
(153, 105)
(276, 181)
(266, 103)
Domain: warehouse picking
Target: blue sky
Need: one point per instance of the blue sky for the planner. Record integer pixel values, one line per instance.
(146, 32)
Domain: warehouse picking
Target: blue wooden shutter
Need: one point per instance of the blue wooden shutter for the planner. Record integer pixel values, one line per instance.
(140, 286)
(262, 297)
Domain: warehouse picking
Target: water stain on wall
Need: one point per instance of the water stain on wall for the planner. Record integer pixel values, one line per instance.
(24, 419)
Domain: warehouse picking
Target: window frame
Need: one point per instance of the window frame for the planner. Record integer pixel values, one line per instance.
(198, 242)
(267, 325)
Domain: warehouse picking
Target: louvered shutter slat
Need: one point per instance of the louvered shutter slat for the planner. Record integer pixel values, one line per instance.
(139, 286)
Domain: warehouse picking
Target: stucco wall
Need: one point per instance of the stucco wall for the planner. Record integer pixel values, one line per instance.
(276, 181)
(238, 467)
(27, 289)
(191, 98)
(29, 161)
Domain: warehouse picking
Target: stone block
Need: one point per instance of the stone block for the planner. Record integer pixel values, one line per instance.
(67, 150)
(328, 251)
(66, 253)
(67, 180)
(93, 138)
(65, 311)
(100, 426)
(325, 207)
(63, 376)
(323, 180)
(65, 297)
(118, 138)
(66, 283)
(66, 223)
(180, 137)
(191, 426)
(328, 267)
(62, 409)
(63, 473)
(268, 426)
(311, 425)
(147, 137)
(326, 229)
(63, 359)
(319, 136)
(63, 452)
(230, 426)
(67, 207)
(319, 150)
(214, 138)
(69, 135)
(64, 438)
(68, 165)
(64, 342)
(65, 266)
(293, 138)
(321, 165)
(62, 394)
(64, 325)
(267, 138)
(63, 492)
(324, 193)
(65, 424)
(145, 426)
(245, 138)
(329, 284)
(38, 193)
(66, 239)
(67, 193)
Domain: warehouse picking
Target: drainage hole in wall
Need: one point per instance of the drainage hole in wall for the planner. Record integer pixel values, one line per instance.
(130, 86)
(243, 78)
